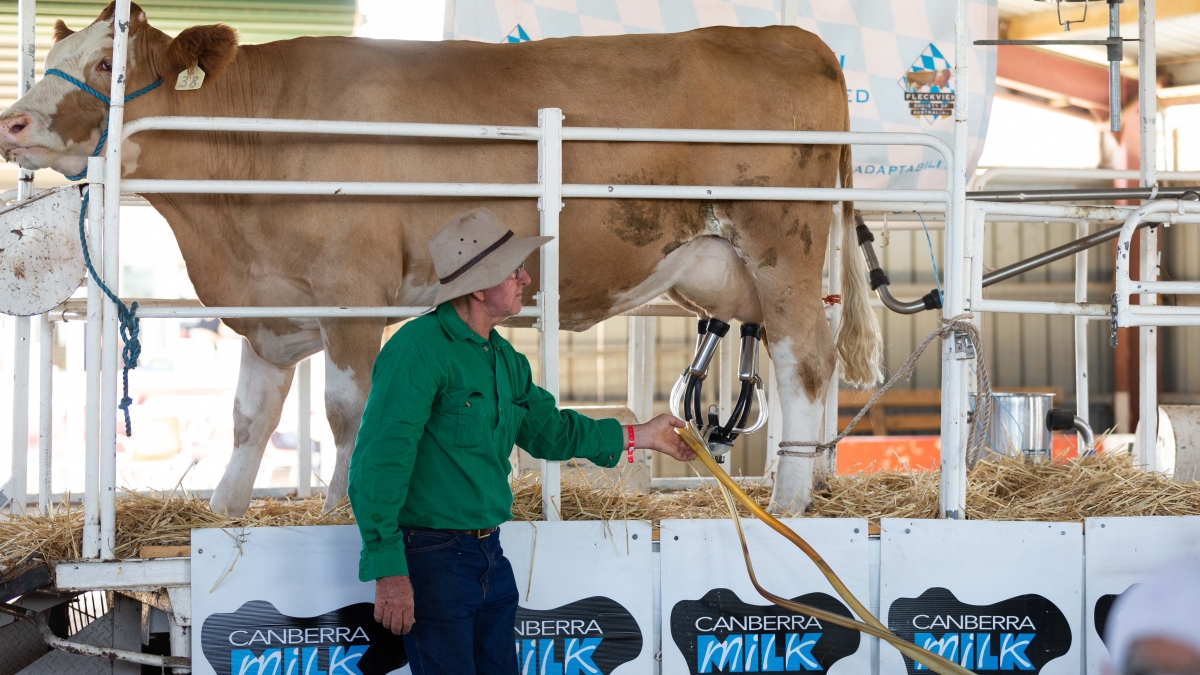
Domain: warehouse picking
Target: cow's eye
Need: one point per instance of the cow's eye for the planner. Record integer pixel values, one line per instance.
(105, 66)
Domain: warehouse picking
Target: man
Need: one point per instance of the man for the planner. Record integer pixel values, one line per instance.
(1154, 626)
(429, 475)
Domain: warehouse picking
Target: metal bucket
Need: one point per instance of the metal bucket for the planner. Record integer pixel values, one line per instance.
(1018, 427)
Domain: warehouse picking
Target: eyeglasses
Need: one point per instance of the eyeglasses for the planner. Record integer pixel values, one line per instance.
(517, 272)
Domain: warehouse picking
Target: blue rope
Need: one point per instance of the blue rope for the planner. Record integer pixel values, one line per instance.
(130, 324)
(932, 258)
(105, 100)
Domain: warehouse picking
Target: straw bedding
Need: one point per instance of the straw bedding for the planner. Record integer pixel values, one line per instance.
(1103, 485)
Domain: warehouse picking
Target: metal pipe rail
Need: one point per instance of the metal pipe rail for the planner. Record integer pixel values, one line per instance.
(1082, 194)
(1124, 314)
(548, 190)
(980, 181)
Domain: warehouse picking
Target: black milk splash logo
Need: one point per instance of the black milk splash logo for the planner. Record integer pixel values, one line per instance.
(721, 634)
(1021, 634)
(1103, 612)
(586, 637)
(258, 640)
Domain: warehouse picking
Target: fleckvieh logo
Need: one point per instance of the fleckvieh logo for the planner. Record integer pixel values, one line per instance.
(721, 634)
(258, 640)
(586, 637)
(1021, 633)
(927, 87)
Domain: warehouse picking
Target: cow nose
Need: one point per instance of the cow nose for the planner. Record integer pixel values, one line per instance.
(13, 126)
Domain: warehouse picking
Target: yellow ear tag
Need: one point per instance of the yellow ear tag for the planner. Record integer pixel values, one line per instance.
(190, 79)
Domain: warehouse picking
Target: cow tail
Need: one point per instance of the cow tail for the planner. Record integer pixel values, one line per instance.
(859, 340)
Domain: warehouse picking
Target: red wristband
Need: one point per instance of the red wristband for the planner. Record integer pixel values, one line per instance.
(629, 448)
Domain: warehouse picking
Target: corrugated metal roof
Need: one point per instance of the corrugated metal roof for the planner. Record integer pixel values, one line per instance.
(256, 21)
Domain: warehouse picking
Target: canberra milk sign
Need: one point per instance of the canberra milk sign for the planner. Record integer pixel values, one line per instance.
(990, 596)
(586, 608)
(898, 57)
(713, 621)
(257, 612)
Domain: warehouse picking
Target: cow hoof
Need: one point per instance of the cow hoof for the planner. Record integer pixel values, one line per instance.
(227, 505)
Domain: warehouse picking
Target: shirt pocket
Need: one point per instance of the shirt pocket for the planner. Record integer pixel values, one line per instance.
(463, 419)
(517, 410)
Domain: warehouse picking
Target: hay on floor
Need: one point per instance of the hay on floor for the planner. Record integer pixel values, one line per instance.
(1102, 485)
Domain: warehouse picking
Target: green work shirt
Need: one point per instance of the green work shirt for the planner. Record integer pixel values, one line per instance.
(445, 409)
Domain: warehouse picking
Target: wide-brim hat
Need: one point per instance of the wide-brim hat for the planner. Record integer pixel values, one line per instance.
(476, 251)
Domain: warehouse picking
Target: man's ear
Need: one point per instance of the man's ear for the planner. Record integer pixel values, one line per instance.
(210, 47)
(61, 31)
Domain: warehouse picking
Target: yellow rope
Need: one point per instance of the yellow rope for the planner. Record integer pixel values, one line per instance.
(869, 625)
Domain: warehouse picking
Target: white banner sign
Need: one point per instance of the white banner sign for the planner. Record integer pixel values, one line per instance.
(287, 601)
(587, 596)
(714, 621)
(898, 57)
(992, 596)
(1121, 552)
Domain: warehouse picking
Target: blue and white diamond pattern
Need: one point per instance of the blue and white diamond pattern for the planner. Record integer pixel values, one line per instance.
(877, 41)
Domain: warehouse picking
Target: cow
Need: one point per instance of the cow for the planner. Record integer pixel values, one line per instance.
(749, 261)
(924, 79)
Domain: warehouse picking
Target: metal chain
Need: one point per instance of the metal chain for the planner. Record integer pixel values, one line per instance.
(961, 324)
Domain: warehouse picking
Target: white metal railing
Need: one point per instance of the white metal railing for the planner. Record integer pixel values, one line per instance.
(980, 181)
(100, 464)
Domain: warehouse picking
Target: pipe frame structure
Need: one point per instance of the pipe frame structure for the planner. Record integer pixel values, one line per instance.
(99, 536)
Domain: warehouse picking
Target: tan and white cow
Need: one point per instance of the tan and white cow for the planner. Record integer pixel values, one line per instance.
(745, 261)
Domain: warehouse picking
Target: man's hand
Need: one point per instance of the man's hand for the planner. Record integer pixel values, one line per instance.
(394, 604)
(659, 434)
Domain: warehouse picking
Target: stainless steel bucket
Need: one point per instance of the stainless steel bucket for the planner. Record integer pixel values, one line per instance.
(1018, 427)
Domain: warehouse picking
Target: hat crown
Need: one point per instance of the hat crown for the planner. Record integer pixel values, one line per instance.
(463, 239)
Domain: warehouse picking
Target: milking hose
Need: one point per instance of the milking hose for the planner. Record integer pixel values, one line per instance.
(870, 625)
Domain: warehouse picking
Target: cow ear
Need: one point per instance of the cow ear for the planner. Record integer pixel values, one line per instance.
(61, 31)
(210, 47)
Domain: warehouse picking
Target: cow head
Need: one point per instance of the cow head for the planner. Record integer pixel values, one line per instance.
(57, 124)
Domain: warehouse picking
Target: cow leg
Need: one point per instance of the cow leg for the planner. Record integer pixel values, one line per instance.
(261, 390)
(784, 247)
(802, 378)
(350, 350)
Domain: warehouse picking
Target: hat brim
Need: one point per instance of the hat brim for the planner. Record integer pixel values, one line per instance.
(492, 270)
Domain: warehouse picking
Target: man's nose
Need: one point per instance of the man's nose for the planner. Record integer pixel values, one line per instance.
(523, 278)
(12, 127)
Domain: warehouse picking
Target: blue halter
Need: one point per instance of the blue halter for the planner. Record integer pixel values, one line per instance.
(130, 325)
(84, 86)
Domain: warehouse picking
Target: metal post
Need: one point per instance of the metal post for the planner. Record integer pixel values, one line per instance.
(1115, 53)
(26, 65)
(726, 373)
(1148, 165)
(787, 12)
(45, 413)
(304, 430)
(1081, 351)
(27, 22)
(640, 387)
(954, 394)
(112, 270)
(835, 321)
(20, 424)
(91, 361)
(550, 204)
(774, 425)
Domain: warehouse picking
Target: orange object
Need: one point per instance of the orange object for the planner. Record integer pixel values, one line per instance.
(914, 453)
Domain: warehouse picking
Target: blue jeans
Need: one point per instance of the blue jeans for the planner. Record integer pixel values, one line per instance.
(465, 601)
